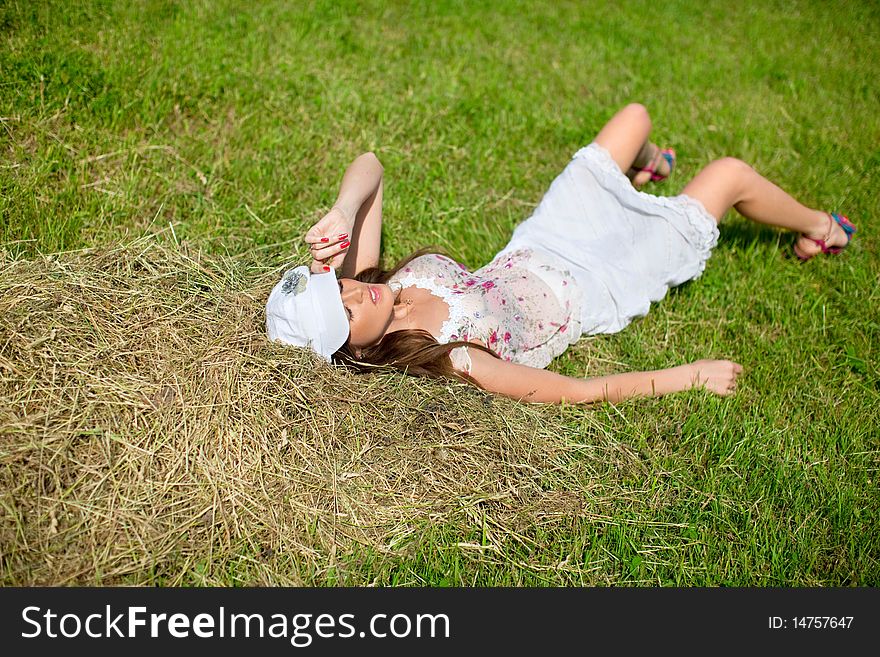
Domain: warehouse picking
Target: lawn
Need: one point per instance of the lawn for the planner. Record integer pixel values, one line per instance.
(198, 141)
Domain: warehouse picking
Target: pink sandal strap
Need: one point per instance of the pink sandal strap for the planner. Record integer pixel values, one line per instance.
(667, 154)
(844, 222)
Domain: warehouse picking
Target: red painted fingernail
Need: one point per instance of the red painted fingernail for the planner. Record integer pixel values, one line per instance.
(344, 244)
(325, 239)
(326, 268)
(343, 236)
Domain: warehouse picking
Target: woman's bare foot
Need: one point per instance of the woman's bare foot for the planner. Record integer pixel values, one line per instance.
(826, 230)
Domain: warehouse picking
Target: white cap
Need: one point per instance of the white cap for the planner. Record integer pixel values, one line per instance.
(305, 310)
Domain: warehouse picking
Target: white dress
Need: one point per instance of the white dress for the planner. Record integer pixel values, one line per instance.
(624, 247)
(592, 257)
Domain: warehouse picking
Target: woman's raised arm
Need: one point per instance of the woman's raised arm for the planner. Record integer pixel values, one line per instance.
(531, 384)
(357, 212)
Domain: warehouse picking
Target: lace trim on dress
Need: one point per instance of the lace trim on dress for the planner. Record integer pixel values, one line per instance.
(458, 316)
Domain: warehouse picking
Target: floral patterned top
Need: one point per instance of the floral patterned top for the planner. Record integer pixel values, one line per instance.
(521, 305)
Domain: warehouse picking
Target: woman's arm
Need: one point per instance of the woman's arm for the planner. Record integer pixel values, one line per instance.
(360, 197)
(356, 212)
(531, 384)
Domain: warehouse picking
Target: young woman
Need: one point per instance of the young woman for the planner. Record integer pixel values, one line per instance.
(593, 256)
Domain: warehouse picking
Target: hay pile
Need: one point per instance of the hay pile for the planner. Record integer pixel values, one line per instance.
(150, 432)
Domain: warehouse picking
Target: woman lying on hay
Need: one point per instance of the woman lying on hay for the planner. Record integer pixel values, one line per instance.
(592, 257)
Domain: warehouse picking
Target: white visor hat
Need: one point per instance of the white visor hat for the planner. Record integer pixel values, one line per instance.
(305, 310)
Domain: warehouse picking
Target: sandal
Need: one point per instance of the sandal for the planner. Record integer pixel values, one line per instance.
(848, 228)
(667, 154)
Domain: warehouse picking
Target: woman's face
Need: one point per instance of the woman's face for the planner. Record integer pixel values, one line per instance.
(369, 308)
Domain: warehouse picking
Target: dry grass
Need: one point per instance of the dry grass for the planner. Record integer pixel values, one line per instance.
(150, 432)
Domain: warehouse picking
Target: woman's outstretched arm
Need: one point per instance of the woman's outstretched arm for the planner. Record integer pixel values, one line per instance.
(350, 234)
(531, 384)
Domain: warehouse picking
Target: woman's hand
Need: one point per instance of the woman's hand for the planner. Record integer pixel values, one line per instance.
(719, 376)
(329, 240)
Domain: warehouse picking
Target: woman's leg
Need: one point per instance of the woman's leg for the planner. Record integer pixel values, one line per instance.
(729, 182)
(625, 137)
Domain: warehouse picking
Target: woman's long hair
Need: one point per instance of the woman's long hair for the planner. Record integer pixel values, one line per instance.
(411, 351)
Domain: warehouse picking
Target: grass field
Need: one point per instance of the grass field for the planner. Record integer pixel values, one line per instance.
(225, 127)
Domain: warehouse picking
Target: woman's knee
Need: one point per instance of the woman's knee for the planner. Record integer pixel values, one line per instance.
(625, 134)
(734, 170)
(638, 114)
(733, 167)
(720, 185)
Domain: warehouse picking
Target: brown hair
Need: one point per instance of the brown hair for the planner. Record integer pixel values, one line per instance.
(411, 351)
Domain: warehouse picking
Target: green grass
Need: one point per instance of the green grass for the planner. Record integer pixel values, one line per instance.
(228, 125)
